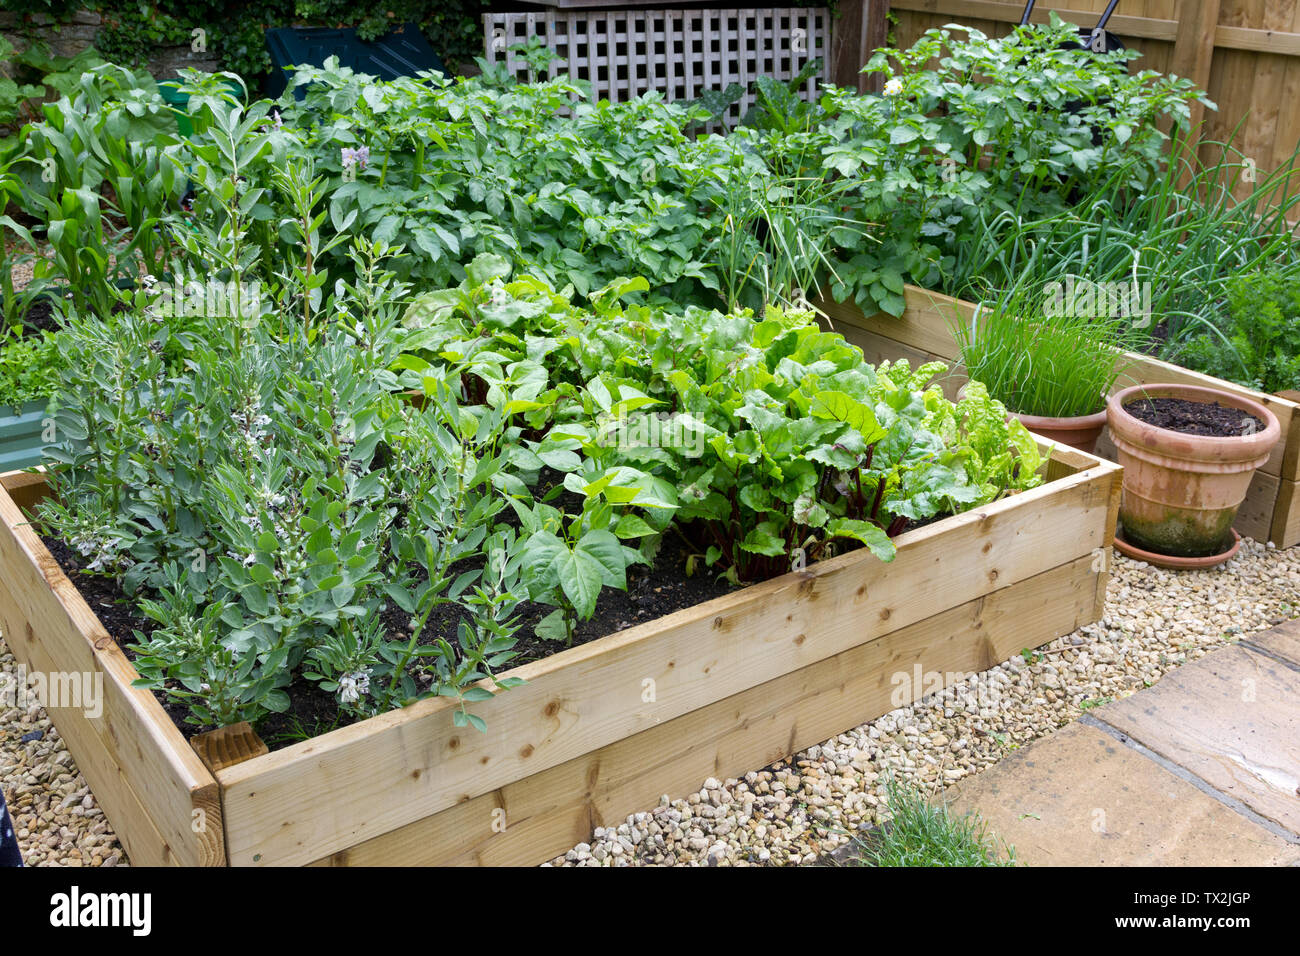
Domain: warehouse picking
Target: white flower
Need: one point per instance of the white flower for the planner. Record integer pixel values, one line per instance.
(893, 87)
(353, 685)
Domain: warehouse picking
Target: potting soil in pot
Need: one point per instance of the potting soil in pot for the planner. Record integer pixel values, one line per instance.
(1195, 418)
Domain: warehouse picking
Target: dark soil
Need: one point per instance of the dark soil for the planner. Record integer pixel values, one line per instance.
(40, 318)
(1194, 418)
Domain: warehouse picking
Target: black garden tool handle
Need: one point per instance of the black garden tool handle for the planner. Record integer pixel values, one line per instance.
(1097, 31)
(1100, 28)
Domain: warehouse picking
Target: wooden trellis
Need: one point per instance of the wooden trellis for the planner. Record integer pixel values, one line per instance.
(680, 53)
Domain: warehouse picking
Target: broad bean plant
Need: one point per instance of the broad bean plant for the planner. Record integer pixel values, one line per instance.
(272, 497)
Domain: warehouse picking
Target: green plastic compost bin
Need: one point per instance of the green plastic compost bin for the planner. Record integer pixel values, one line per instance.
(402, 52)
(180, 103)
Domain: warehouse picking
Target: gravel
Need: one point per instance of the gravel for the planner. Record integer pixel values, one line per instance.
(14, 249)
(56, 818)
(797, 810)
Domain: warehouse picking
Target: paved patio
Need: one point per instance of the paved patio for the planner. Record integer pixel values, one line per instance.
(1201, 769)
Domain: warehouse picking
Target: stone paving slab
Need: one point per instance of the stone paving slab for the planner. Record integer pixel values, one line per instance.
(1233, 720)
(1282, 642)
(1081, 797)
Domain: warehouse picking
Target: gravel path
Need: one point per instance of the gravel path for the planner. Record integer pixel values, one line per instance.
(796, 811)
(55, 815)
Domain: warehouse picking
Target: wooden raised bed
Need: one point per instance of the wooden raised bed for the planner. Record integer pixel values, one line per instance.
(738, 682)
(924, 333)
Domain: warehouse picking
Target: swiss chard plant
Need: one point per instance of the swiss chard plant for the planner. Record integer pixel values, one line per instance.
(768, 442)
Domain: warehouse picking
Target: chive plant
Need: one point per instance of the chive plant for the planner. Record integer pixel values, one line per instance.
(1043, 356)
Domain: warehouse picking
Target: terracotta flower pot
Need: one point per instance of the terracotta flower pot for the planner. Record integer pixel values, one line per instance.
(1081, 432)
(1181, 492)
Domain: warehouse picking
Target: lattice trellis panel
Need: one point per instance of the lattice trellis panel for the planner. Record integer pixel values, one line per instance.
(681, 53)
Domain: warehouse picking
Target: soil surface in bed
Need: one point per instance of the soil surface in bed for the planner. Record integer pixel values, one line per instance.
(1195, 418)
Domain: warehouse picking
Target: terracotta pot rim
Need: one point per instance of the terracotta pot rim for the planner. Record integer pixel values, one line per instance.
(1166, 441)
(1031, 422)
(1173, 562)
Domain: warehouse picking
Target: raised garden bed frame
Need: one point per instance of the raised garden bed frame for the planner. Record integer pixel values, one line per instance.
(924, 333)
(599, 730)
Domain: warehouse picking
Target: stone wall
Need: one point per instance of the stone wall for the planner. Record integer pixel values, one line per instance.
(70, 38)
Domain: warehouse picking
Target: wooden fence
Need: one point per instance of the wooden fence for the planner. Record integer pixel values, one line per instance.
(1245, 53)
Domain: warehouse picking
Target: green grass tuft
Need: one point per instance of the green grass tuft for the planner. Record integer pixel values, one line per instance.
(922, 833)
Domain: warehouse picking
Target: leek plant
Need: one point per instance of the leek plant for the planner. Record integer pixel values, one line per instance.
(1182, 242)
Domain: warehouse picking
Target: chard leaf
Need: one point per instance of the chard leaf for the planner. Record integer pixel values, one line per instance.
(871, 535)
(764, 539)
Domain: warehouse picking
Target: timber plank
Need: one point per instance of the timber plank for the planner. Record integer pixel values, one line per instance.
(132, 823)
(227, 746)
(26, 488)
(531, 820)
(1286, 517)
(1002, 12)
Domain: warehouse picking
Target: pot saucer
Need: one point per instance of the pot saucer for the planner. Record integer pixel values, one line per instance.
(1177, 563)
